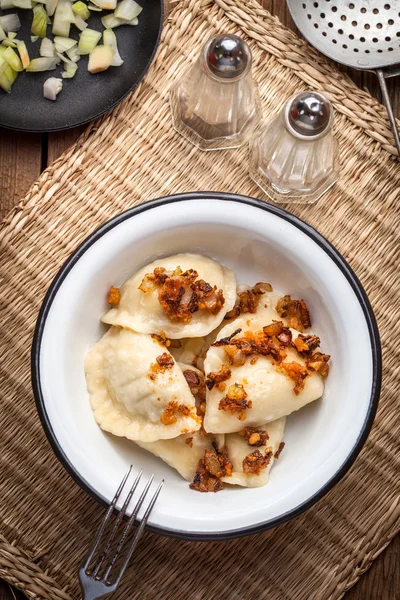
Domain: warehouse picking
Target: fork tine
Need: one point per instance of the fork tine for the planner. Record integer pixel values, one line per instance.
(114, 530)
(128, 527)
(103, 524)
(139, 532)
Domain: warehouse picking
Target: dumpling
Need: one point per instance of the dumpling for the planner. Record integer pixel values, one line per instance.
(247, 386)
(192, 351)
(136, 388)
(185, 295)
(184, 452)
(252, 453)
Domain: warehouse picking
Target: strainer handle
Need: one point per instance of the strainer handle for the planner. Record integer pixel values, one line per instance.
(386, 100)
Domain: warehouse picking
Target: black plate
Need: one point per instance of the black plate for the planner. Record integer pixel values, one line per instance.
(86, 96)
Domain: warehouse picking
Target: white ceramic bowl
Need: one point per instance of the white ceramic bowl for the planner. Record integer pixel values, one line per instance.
(259, 242)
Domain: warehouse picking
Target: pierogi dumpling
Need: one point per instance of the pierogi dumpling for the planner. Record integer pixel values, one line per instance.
(252, 453)
(136, 388)
(184, 452)
(259, 389)
(185, 295)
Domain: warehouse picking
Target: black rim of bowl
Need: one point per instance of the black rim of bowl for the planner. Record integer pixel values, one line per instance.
(332, 253)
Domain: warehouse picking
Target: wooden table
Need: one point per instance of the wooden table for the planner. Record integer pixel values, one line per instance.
(22, 158)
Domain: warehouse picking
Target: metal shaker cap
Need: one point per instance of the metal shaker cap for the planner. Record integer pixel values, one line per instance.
(309, 114)
(228, 56)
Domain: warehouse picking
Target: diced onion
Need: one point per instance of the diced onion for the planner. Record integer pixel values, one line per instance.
(80, 23)
(24, 4)
(73, 54)
(52, 87)
(10, 22)
(88, 40)
(23, 53)
(47, 48)
(13, 59)
(127, 10)
(100, 59)
(105, 4)
(8, 43)
(63, 44)
(70, 70)
(51, 6)
(40, 21)
(7, 78)
(81, 10)
(6, 4)
(109, 39)
(42, 64)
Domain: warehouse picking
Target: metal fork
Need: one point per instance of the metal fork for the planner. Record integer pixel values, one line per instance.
(93, 584)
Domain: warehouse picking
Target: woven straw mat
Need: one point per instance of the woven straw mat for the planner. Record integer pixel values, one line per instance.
(133, 155)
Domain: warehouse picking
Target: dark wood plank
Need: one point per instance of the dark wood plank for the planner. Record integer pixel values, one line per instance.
(60, 141)
(20, 165)
(8, 593)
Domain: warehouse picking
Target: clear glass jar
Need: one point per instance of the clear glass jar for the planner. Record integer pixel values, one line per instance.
(215, 105)
(295, 157)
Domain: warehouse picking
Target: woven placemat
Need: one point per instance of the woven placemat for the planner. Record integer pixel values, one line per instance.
(132, 155)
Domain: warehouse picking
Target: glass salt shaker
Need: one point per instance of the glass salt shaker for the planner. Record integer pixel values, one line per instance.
(215, 105)
(295, 158)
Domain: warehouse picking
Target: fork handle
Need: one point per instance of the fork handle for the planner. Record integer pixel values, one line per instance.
(386, 100)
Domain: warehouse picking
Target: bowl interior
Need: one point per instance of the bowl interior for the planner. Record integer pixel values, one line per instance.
(258, 245)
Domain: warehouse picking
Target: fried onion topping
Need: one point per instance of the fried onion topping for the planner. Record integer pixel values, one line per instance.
(295, 311)
(255, 462)
(211, 468)
(217, 377)
(254, 436)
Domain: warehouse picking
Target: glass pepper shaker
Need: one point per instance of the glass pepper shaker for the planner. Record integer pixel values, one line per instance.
(216, 105)
(295, 158)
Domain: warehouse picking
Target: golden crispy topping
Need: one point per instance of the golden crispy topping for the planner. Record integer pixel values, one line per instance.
(254, 360)
(162, 339)
(319, 362)
(165, 360)
(189, 442)
(169, 415)
(211, 468)
(197, 385)
(180, 295)
(280, 448)
(295, 311)
(217, 377)
(254, 436)
(226, 340)
(235, 401)
(257, 343)
(114, 296)
(306, 344)
(297, 372)
(255, 462)
(247, 301)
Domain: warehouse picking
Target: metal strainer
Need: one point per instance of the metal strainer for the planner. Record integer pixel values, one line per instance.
(363, 34)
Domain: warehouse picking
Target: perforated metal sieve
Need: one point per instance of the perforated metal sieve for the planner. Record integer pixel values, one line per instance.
(364, 34)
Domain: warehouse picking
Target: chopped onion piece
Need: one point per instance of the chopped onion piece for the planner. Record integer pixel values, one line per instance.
(51, 6)
(94, 8)
(81, 9)
(128, 10)
(73, 54)
(40, 21)
(3, 34)
(3, 65)
(34, 38)
(6, 4)
(62, 19)
(109, 39)
(70, 70)
(23, 52)
(51, 87)
(10, 22)
(105, 4)
(47, 48)
(25, 4)
(100, 59)
(42, 64)
(63, 44)
(9, 43)
(7, 78)
(80, 23)
(12, 35)
(111, 21)
(13, 59)
(88, 40)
